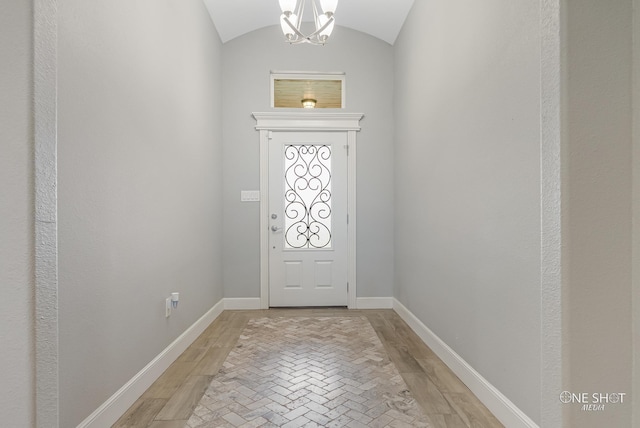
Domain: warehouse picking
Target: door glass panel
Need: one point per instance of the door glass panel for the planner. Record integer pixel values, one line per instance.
(307, 196)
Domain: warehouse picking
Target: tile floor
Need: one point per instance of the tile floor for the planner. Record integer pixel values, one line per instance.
(308, 372)
(251, 368)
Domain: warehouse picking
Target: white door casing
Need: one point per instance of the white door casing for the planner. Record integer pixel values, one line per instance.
(345, 125)
(308, 218)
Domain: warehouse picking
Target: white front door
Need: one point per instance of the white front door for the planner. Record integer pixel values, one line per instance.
(308, 219)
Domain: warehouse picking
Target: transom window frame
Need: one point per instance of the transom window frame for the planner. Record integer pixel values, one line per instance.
(307, 75)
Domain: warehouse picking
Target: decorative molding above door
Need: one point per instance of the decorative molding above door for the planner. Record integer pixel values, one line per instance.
(307, 121)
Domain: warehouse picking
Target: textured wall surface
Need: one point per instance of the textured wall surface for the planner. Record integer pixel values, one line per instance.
(16, 214)
(139, 151)
(467, 96)
(636, 215)
(598, 132)
(552, 292)
(248, 61)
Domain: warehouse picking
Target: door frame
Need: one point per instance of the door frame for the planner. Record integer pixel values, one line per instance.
(268, 122)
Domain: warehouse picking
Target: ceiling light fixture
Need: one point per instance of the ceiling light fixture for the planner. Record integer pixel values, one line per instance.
(291, 19)
(309, 103)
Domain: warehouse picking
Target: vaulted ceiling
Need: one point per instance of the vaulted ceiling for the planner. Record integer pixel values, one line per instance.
(380, 18)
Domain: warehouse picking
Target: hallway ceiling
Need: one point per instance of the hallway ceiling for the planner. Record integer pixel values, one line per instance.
(380, 18)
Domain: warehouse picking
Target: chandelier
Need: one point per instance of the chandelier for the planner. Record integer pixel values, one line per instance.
(291, 19)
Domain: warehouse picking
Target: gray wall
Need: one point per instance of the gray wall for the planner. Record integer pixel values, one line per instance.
(468, 184)
(598, 149)
(368, 63)
(467, 257)
(140, 183)
(636, 216)
(16, 214)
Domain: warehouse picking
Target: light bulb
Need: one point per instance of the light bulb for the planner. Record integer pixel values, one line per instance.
(329, 6)
(309, 103)
(286, 28)
(324, 34)
(288, 5)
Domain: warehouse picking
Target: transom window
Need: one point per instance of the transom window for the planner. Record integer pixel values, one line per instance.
(307, 90)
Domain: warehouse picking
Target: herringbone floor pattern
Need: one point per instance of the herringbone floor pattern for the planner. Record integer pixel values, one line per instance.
(308, 372)
(171, 401)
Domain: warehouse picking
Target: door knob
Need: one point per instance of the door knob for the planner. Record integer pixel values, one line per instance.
(275, 228)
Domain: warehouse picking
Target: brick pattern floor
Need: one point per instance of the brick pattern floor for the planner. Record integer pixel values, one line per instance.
(308, 372)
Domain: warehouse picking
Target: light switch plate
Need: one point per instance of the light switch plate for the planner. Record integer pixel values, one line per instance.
(249, 195)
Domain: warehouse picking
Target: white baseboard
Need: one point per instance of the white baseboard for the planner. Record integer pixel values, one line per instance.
(502, 408)
(112, 409)
(252, 303)
(242, 303)
(374, 303)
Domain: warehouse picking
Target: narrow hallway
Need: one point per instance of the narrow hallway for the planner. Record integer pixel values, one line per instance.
(234, 375)
(498, 201)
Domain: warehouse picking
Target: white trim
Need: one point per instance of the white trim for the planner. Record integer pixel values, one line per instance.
(328, 74)
(266, 122)
(307, 121)
(112, 409)
(240, 303)
(264, 222)
(374, 303)
(351, 215)
(502, 408)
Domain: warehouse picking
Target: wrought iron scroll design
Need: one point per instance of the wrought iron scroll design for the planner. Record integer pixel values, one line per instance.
(307, 196)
